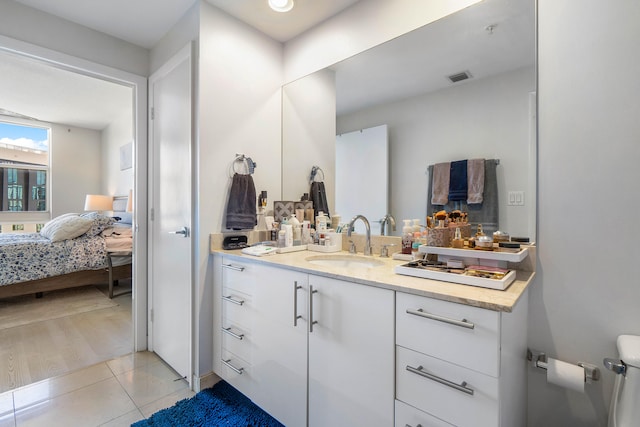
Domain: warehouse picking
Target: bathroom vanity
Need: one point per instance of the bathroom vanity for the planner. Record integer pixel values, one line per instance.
(352, 343)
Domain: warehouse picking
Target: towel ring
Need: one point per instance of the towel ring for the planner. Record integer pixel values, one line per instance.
(249, 165)
(314, 173)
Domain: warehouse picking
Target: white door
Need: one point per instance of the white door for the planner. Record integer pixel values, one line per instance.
(362, 168)
(170, 217)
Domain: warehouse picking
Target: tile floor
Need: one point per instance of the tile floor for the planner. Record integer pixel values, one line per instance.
(114, 393)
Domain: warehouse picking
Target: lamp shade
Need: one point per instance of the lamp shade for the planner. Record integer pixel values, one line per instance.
(130, 201)
(98, 202)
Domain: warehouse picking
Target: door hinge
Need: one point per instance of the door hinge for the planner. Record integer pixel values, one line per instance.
(153, 113)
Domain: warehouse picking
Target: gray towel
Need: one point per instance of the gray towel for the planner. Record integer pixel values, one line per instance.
(241, 209)
(319, 198)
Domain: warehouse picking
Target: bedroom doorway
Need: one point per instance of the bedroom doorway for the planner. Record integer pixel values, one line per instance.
(137, 131)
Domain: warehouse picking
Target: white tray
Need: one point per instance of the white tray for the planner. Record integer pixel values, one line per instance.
(499, 284)
(292, 249)
(324, 248)
(477, 253)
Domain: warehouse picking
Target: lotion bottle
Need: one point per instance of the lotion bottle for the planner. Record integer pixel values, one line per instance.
(407, 237)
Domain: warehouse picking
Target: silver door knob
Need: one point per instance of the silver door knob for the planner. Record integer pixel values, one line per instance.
(184, 231)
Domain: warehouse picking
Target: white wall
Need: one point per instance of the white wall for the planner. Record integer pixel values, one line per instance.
(487, 118)
(185, 31)
(42, 29)
(308, 134)
(586, 290)
(75, 167)
(116, 182)
(238, 108)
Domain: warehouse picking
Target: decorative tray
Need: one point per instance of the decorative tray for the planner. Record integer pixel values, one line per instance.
(497, 281)
(477, 253)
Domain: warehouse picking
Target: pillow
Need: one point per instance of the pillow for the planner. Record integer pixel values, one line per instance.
(66, 227)
(98, 223)
(125, 217)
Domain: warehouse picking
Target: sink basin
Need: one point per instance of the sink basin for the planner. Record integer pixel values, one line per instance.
(344, 261)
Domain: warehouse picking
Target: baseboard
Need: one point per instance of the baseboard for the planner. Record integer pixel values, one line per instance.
(205, 381)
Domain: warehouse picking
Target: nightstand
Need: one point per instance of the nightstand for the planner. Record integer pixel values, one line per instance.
(110, 257)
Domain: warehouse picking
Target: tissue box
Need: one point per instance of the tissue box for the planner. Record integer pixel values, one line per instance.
(439, 237)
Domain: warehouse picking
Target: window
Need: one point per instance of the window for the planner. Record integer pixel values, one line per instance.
(24, 167)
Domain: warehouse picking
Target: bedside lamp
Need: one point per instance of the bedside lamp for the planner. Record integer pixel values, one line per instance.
(130, 201)
(98, 203)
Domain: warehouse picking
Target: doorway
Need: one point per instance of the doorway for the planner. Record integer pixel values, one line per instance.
(137, 105)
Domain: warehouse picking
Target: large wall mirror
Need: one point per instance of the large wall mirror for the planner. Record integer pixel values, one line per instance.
(410, 85)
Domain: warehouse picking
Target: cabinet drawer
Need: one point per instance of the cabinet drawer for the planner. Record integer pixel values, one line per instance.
(239, 276)
(408, 416)
(238, 308)
(238, 373)
(460, 334)
(460, 396)
(237, 340)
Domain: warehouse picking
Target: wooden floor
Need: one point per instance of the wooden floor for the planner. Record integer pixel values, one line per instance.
(45, 349)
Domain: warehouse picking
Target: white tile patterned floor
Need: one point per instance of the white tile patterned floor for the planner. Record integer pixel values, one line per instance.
(114, 393)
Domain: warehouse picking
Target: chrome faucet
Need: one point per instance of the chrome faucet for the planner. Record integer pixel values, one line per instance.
(388, 218)
(367, 245)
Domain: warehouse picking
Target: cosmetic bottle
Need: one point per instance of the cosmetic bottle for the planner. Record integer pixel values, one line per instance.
(321, 222)
(457, 241)
(407, 237)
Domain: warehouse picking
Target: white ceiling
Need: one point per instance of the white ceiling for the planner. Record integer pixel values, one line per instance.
(145, 22)
(425, 57)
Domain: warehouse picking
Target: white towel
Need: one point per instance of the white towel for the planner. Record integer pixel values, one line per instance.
(440, 189)
(475, 181)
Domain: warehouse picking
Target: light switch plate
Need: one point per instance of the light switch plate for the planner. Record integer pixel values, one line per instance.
(515, 198)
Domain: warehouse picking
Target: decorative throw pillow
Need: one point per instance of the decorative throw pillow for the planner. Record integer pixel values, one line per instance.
(98, 222)
(65, 227)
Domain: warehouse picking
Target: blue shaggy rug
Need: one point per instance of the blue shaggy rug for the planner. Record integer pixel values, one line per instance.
(221, 405)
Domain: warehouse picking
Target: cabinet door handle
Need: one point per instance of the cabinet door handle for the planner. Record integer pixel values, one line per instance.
(233, 267)
(233, 334)
(311, 321)
(409, 425)
(460, 387)
(238, 371)
(464, 323)
(296, 316)
(232, 300)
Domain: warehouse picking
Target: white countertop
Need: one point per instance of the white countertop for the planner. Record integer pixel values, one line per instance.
(384, 277)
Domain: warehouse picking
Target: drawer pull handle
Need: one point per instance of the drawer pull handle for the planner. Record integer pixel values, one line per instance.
(232, 300)
(233, 334)
(233, 267)
(460, 387)
(238, 371)
(296, 316)
(464, 323)
(409, 425)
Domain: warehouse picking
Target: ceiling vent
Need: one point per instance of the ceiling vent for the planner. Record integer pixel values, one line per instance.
(458, 77)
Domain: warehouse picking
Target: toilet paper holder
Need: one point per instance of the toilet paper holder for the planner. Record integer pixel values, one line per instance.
(538, 360)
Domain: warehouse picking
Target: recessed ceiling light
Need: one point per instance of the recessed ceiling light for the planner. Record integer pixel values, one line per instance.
(281, 5)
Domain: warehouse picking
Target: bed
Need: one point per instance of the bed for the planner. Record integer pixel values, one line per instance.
(67, 257)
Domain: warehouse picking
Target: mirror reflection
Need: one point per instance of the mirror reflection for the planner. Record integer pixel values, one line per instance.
(460, 88)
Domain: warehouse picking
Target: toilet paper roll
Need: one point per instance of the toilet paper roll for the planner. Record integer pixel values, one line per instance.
(565, 375)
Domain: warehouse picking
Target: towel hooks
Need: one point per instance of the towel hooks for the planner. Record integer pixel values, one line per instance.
(314, 173)
(249, 164)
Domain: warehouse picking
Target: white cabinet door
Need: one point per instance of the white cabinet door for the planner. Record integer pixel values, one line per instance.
(280, 335)
(351, 352)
